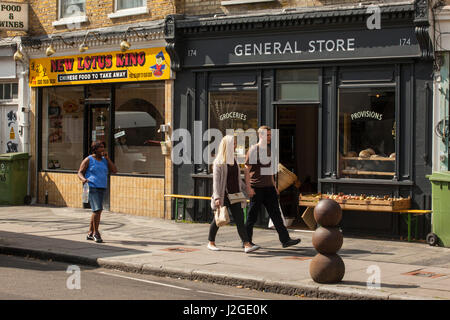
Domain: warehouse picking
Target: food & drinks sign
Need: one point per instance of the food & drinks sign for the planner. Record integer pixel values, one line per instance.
(134, 65)
(13, 16)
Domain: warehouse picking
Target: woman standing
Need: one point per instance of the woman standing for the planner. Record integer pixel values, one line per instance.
(227, 180)
(94, 170)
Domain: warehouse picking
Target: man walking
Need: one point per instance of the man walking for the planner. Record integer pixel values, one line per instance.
(262, 188)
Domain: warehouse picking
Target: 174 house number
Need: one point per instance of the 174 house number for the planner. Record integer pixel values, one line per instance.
(405, 41)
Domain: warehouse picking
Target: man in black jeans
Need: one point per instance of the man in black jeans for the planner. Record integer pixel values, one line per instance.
(263, 189)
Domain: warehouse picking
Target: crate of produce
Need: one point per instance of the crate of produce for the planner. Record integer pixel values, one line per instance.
(362, 202)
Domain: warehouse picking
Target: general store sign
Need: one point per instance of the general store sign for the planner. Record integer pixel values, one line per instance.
(13, 16)
(133, 65)
(305, 46)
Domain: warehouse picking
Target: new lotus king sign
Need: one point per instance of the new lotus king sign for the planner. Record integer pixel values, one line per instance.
(13, 16)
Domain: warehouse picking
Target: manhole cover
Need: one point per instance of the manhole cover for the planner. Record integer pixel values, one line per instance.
(180, 250)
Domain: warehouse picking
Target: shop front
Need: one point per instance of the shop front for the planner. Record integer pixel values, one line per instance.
(120, 98)
(352, 105)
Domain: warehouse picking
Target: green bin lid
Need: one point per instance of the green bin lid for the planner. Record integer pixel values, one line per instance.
(440, 176)
(14, 156)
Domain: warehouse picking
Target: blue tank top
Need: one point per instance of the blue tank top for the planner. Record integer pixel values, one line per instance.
(97, 173)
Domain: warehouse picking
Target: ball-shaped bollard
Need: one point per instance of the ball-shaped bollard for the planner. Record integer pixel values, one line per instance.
(328, 213)
(327, 268)
(327, 240)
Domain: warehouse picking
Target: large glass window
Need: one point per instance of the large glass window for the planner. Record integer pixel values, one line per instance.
(138, 116)
(367, 133)
(236, 110)
(62, 128)
(129, 4)
(298, 84)
(72, 8)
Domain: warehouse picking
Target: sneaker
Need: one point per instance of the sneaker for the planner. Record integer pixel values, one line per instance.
(98, 238)
(89, 236)
(291, 242)
(250, 243)
(212, 247)
(251, 249)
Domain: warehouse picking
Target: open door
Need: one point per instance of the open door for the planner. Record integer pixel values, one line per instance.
(298, 127)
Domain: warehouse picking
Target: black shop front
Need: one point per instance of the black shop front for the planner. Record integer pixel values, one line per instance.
(352, 104)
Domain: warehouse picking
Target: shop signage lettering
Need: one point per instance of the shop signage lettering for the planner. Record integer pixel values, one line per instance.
(141, 65)
(269, 48)
(13, 16)
(367, 114)
(288, 47)
(233, 115)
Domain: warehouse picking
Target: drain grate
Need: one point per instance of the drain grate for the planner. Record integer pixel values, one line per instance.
(180, 249)
(424, 274)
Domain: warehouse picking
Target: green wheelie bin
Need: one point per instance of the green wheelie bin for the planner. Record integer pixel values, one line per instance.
(440, 220)
(14, 178)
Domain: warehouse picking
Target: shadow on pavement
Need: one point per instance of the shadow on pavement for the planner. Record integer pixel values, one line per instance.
(88, 250)
(383, 285)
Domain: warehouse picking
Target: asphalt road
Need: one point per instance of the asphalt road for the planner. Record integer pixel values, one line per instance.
(31, 279)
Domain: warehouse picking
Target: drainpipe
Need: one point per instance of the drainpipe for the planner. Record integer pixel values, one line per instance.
(24, 108)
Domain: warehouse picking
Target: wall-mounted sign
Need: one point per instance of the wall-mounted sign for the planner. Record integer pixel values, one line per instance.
(13, 16)
(302, 46)
(367, 114)
(134, 65)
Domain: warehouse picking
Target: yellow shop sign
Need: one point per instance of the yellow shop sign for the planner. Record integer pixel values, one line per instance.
(134, 65)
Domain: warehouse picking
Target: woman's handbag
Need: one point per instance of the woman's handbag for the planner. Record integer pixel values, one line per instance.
(221, 216)
(236, 197)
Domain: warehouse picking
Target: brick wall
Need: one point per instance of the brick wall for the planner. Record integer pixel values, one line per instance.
(44, 12)
(63, 189)
(199, 7)
(137, 196)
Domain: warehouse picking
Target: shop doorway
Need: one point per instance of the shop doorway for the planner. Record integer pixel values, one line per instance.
(98, 128)
(298, 127)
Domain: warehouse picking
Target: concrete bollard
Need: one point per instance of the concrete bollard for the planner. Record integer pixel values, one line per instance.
(327, 266)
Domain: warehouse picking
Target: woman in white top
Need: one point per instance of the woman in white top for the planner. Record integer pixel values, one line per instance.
(227, 179)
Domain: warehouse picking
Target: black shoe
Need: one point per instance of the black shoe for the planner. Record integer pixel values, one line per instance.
(89, 236)
(291, 242)
(98, 238)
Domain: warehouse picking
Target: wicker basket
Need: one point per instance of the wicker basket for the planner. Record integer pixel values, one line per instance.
(286, 178)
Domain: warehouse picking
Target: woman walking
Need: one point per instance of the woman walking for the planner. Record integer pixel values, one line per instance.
(227, 180)
(94, 170)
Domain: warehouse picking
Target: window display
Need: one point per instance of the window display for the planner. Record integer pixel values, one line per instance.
(138, 115)
(62, 128)
(234, 110)
(367, 133)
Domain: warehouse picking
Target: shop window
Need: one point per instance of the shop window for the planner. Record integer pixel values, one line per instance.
(72, 8)
(138, 115)
(8, 91)
(367, 133)
(129, 4)
(298, 85)
(62, 128)
(236, 110)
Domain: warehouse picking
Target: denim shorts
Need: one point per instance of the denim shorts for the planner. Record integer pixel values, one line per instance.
(96, 198)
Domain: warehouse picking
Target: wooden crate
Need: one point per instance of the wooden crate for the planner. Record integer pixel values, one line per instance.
(363, 205)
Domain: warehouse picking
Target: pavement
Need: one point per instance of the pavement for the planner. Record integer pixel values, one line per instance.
(406, 270)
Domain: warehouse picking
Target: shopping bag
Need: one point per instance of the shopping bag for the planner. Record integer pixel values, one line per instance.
(282, 217)
(222, 216)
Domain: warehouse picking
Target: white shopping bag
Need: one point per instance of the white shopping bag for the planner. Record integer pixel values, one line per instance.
(271, 226)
